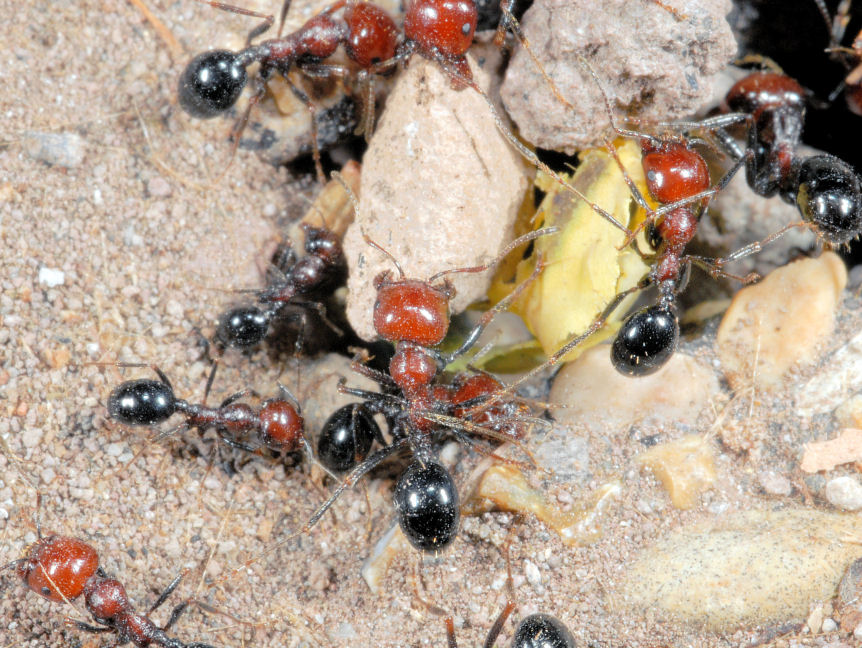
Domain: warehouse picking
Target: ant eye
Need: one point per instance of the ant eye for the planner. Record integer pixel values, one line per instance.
(46, 591)
(211, 83)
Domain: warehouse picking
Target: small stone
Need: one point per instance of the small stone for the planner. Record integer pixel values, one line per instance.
(441, 189)
(844, 493)
(51, 277)
(534, 576)
(158, 187)
(597, 395)
(114, 449)
(757, 567)
(778, 324)
(857, 632)
(56, 149)
(828, 625)
(774, 483)
(658, 66)
(815, 620)
(32, 436)
(685, 468)
(849, 413)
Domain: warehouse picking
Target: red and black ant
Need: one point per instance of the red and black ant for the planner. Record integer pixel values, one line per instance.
(826, 190)
(61, 569)
(297, 287)
(851, 56)
(534, 631)
(277, 422)
(213, 81)
(414, 315)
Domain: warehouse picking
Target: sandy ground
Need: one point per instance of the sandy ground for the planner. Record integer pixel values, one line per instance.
(149, 233)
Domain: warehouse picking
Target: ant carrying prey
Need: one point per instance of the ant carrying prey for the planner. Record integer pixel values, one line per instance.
(414, 315)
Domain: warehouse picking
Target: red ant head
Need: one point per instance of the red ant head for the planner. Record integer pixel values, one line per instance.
(281, 425)
(674, 171)
(441, 26)
(372, 34)
(765, 91)
(107, 598)
(409, 310)
(412, 368)
(58, 567)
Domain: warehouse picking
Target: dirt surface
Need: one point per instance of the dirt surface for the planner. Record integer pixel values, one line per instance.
(149, 230)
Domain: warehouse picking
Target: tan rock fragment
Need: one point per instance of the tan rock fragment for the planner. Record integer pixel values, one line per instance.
(745, 568)
(441, 188)
(825, 455)
(597, 395)
(778, 324)
(685, 467)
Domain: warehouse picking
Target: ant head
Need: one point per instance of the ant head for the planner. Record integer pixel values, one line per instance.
(674, 171)
(646, 340)
(765, 91)
(346, 437)
(830, 197)
(142, 402)
(409, 310)
(243, 326)
(372, 34)
(211, 83)
(58, 567)
(441, 26)
(428, 507)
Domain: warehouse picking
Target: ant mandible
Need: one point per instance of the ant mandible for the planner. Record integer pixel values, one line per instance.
(62, 568)
(277, 422)
(213, 81)
(297, 285)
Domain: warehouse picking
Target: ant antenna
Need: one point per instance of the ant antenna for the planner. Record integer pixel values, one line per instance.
(521, 240)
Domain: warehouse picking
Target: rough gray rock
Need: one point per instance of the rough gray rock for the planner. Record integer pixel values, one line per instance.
(654, 65)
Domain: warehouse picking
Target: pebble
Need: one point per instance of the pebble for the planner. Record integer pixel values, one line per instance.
(598, 396)
(114, 449)
(828, 625)
(857, 632)
(774, 483)
(32, 436)
(755, 567)
(534, 576)
(51, 277)
(839, 375)
(158, 187)
(778, 324)
(666, 75)
(685, 467)
(441, 189)
(844, 493)
(56, 149)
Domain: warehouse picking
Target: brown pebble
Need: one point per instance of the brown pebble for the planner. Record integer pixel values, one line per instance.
(685, 467)
(779, 323)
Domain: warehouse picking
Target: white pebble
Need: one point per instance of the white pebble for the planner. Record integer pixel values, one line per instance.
(534, 577)
(857, 632)
(51, 277)
(60, 149)
(844, 493)
(828, 626)
(114, 449)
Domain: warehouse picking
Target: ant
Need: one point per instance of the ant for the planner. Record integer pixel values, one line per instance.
(851, 56)
(440, 30)
(277, 422)
(534, 631)
(61, 569)
(826, 190)
(414, 316)
(213, 81)
(296, 287)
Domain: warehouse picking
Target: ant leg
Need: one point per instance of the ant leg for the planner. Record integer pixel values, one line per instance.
(639, 199)
(522, 149)
(300, 94)
(450, 633)
(489, 315)
(158, 371)
(233, 443)
(282, 16)
(238, 395)
(500, 621)
(86, 627)
(268, 19)
(372, 398)
(383, 379)
(166, 593)
(210, 380)
(508, 22)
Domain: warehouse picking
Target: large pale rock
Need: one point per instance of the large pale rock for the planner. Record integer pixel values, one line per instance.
(654, 64)
(778, 324)
(749, 568)
(598, 396)
(440, 189)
